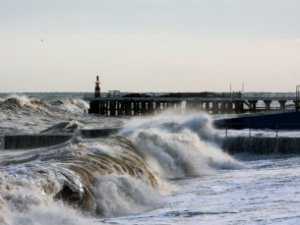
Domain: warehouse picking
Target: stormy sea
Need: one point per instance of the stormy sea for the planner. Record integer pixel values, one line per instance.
(162, 169)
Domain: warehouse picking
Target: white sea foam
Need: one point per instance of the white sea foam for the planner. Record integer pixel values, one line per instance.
(123, 195)
(75, 105)
(67, 104)
(177, 146)
(152, 149)
(23, 201)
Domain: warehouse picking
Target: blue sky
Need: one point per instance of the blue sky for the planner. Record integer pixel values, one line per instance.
(149, 45)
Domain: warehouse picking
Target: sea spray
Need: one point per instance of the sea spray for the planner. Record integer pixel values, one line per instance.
(25, 102)
(123, 195)
(24, 114)
(28, 201)
(107, 177)
(98, 177)
(74, 105)
(177, 146)
(173, 122)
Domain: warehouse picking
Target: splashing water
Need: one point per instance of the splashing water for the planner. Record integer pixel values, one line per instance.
(25, 102)
(20, 113)
(76, 182)
(99, 179)
(178, 146)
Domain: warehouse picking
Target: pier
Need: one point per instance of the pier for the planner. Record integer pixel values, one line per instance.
(138, 104)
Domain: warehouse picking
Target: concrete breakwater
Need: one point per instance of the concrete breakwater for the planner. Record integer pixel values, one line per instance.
(273, 121)
(261, 145)
(28, 141)
(232, 145)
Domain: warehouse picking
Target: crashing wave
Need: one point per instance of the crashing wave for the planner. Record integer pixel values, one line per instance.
(22, 101)
(103, 179)
(23, 113)
(112, 176)
(19, 102)
(178, 146)
(72, 105)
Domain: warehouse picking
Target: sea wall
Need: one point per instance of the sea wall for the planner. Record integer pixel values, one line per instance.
(274, 121)
(261, 145)
(29, 141)
(95, 133)
(232, 145)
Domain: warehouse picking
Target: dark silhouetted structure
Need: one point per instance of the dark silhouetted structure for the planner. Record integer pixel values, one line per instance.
(137, 104)
(97, 88)
(297, 98)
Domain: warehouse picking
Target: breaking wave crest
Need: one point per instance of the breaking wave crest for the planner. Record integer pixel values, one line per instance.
(179, 146)
(99, 179)
(16, 103)
(72, 105)
(20, 113)
(106, 177)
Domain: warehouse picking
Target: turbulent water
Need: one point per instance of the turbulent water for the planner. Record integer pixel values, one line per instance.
(164, 169)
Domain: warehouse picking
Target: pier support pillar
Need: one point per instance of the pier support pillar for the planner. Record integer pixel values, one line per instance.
(136, 108)
(253, 105)
(151, 107)
(268, 104)
(127, 108)
(102, 108)
(229, 107)
(132, 108)
(121, 110)
(143, 108)
(239, 106)
(215, 109)
(155, 107)
(297, 105)
(112, 108)
(223, 107)
(94, 107)
(159, 107)
(282, 104)
(206, 106)
(107, 108)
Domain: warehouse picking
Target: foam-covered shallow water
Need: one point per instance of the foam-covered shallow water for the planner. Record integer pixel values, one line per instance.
(263, 192)
(165, 169)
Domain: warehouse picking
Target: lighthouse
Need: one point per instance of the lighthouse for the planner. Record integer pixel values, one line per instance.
(97, 88)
